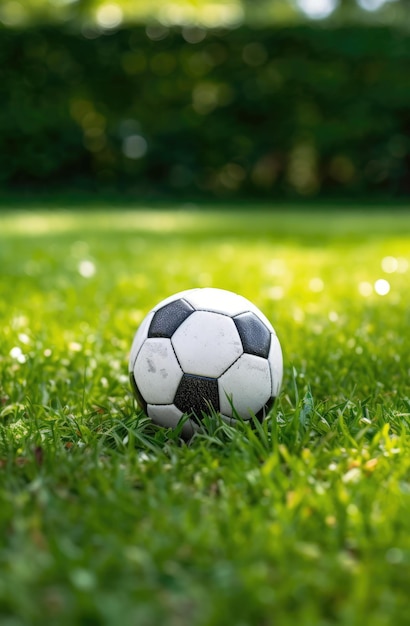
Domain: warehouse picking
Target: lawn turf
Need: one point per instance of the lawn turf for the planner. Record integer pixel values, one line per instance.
(106, 519)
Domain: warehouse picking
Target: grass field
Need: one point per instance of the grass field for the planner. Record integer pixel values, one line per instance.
(107, 520)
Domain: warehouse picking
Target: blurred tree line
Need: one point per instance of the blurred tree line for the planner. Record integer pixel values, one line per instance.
(157, 109)
(203, 12)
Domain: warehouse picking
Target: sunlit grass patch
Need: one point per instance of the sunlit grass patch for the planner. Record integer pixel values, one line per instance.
(108, 519)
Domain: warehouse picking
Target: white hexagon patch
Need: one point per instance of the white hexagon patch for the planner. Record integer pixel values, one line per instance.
(168, 415)
(206, 344)
(246, 385)
(276, 365)
(157, 371)
(217, 301)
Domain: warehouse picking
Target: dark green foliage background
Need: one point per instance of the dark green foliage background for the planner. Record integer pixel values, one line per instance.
(299, 110)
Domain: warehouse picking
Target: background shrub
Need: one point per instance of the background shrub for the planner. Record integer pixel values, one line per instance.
(292, 111)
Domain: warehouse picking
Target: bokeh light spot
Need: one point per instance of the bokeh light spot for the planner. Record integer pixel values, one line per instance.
(109, 16)
(17, 354)
(276, 292)
(365, 289)
(134, 147)
(389, 264)
(371, 5)
(86, 268)
(193, 35)
(403, 265)
(317, 9)
(316, 285)
(12, 14)
(382, 287)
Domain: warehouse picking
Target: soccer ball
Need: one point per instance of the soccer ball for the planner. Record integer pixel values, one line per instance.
(205, 351)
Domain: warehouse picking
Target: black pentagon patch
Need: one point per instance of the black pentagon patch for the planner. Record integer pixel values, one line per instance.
(137, 394)
(264, 411)
(197, 394)
(167, 319)
(253, 333)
